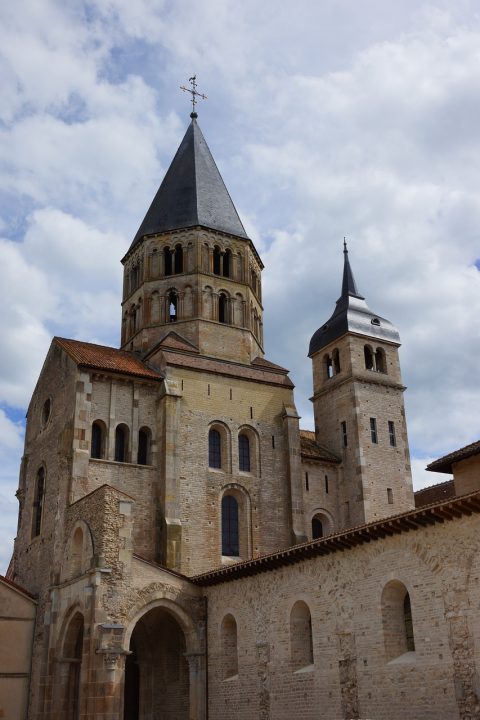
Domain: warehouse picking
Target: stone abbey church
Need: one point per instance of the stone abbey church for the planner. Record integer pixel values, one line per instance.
(185, 551)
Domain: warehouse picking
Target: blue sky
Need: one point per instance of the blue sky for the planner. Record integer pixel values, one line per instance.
(325, 118)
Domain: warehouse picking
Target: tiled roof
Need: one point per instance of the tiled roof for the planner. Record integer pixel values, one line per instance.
(314, 451)
(229, 369)
(262, 362)
(394, 525)
(175, 341)
(101, 357)
(434, 493)
(444, 464)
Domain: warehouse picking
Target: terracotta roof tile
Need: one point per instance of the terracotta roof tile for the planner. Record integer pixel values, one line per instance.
(434, 493)
(262, 362)
(314, 451)
(444, 464)
(101, 357)
(176, 342)
(342, 541)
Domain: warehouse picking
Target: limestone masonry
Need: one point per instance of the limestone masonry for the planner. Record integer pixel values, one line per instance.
(184, 551)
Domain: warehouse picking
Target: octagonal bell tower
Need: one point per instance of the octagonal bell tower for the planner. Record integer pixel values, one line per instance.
(359, 409)
(191, 267)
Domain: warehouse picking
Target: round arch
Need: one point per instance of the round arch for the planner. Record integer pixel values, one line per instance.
(325, 518)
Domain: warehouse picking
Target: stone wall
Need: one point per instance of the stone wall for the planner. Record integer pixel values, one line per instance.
(352, 674)
(17, 618)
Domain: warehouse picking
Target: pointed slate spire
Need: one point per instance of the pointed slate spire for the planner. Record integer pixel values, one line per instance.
(351, 314)
(349, 286)
(192, 193)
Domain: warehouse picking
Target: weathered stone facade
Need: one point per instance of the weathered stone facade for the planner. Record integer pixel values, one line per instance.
(191, 552)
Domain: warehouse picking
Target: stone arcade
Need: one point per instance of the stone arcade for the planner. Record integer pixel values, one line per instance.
(185, 551)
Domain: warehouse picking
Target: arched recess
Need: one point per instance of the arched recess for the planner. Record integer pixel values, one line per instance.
(397, 620)
(301, 640)
(253, 450)
(321, 524)
(165, 669)
(67, 702)
(239, 310)
(229, 645)
(79, 552)
(235, 522)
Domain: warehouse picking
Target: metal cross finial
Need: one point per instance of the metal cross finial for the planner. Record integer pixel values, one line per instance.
(194, 93)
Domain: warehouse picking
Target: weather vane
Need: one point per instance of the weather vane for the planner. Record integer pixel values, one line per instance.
(194, 93)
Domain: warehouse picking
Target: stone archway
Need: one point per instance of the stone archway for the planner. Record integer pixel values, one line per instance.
(157, 676)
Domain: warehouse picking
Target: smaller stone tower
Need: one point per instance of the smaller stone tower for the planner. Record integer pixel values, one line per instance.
(358, 407)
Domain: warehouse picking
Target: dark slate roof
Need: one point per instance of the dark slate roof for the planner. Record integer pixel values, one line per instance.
(352, 314)
(444, 464)
(192, 193)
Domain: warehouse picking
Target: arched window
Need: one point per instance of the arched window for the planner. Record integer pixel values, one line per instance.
(223, 308)
(178, 259)
(144, 442)
(167, 260)
(230, 534)
(328, 366)
(336, 361)
(227, 263)
(397, 620)
(121, 443)
(228, 634)
(317, 528)
(301, 641)
(380, 363)
(172, 306)
(214, 449)
(367, 350)
(216, 260)
(38, 502)
(243, 453)
(97, 448)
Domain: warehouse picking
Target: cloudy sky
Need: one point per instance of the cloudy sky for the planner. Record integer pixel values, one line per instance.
(326, 117)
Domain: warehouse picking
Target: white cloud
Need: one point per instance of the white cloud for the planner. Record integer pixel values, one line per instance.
(374, 137)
